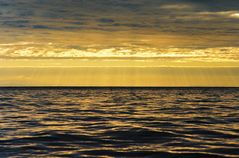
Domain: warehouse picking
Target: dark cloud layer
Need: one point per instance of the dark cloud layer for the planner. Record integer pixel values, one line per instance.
(184, 16)
(137, 27)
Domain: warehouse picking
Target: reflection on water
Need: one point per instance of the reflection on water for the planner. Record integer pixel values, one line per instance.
(91, 122)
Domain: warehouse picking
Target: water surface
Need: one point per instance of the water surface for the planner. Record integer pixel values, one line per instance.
(119, 122)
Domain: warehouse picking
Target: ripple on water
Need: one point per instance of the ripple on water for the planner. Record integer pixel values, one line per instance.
(168, 123)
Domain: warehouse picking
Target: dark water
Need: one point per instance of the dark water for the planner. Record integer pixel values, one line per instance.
(160, 123)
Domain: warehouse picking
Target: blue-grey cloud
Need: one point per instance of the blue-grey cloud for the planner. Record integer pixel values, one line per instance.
(189, 17)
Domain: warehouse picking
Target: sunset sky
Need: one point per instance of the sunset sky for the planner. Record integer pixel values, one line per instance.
(119, 43)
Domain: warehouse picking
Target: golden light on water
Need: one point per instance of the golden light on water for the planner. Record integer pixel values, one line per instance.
(119, 78)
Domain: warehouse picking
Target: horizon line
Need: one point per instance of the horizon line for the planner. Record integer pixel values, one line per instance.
(76, 87)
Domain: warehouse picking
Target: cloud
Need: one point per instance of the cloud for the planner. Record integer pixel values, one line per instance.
(51, 51)
(15, 23)
(106, 20)
(235, 15)
(176, 6)
(219, 15)
(40, 27)
(36, 18)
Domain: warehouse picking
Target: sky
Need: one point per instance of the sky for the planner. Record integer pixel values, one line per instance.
(119, 43)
